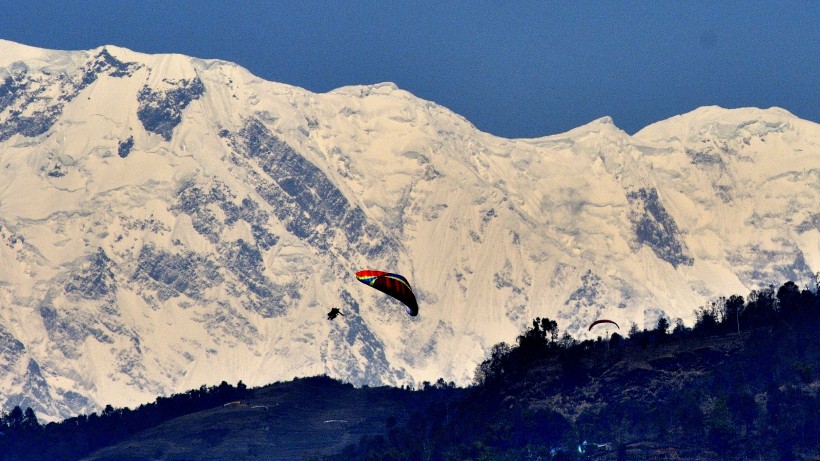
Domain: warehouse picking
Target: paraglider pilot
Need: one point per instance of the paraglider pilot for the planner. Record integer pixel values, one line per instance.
(333, 313)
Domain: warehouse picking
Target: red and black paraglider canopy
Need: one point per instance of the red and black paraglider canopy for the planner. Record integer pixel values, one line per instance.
(394, 285)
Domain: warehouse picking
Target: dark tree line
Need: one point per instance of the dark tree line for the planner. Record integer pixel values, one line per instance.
(25, 439)
(740, 384)
(19, 421)
(756, 403)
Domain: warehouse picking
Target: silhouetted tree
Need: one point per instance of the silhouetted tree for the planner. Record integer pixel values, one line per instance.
(544, 331)
(14, 420)
(663, 326)
(494, 368)
(567, 341)
(29, 421)
(760, 310)
(732, 308)
(680, 329)
(788, 298)
(708, 319)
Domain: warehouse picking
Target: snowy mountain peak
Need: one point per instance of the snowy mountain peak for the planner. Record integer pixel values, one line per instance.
(599, 125)
(603, 126)
(168, 222)
(714, 121)
(12, 51)
(366, 90)
(605, 120)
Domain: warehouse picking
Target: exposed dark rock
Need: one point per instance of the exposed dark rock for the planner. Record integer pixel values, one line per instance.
(704, 157)
(245, 261)
(227, 324)
(124, 147)
(95, 280)
(502, 280)
(160, 111)
(174, 274)
(812, 222)
(585, 302)
(199, 202)
(655, 228)
(303, 198)
(22, 92)
(587, 294)
(359, 335)
(195, 201)
(758, 266)
(11, 350)
(76, 403)
(56, 172)
(104, 62)
(35, 390)
(64, 332)
(263, 237)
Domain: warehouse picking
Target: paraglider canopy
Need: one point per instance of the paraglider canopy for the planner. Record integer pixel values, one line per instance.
(392, 284)
(603, 321)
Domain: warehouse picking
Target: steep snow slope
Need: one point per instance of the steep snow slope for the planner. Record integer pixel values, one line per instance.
(167, 222)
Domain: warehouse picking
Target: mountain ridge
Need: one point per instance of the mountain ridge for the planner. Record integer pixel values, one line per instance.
(168, 221)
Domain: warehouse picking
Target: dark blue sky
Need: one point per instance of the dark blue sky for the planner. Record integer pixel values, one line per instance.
(514, 69)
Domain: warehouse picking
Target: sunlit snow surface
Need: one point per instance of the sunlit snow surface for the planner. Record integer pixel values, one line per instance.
(168, 222)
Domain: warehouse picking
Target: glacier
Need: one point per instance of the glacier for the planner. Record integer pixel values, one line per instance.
(169, 221)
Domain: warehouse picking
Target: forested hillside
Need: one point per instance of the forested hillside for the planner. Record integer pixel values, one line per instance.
(740, 384)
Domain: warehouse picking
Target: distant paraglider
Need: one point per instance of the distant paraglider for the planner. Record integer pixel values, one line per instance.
(333, 313)
(603, 321)
(392, 284)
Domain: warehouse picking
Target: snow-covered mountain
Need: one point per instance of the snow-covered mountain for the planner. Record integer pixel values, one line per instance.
(168, 222)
